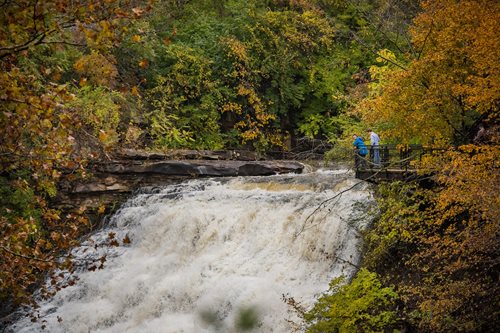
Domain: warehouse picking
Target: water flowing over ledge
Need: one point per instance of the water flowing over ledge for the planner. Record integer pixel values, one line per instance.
(214, 246)
(113, 181)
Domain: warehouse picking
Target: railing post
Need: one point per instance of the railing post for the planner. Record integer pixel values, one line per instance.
(408, 157)
(370, 157)
(385, 156)
(401, 156)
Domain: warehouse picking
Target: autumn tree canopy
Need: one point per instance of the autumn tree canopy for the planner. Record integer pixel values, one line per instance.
(449, 85)
(42, 44)
(437, 242)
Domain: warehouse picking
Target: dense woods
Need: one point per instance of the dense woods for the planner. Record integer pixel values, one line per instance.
(81, 79)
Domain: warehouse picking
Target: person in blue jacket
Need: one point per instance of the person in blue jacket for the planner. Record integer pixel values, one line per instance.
(360, 151)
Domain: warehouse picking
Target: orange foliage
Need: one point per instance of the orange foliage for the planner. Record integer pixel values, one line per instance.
(100, 70)
(458, 243)
(440, 246)
(37, 129)
(444, 240)
(462, 37)
(452, 82)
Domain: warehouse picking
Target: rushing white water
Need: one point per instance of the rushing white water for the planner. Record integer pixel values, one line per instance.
(213, 247)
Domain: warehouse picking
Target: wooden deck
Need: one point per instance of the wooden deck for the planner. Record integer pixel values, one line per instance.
(378, 175)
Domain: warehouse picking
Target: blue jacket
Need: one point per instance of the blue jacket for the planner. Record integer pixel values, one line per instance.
(358, 143)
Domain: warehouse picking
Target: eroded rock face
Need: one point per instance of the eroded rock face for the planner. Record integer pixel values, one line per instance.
(202, 168)
(113, 181)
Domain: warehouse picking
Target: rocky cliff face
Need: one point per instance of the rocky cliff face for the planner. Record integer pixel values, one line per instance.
(114, 180)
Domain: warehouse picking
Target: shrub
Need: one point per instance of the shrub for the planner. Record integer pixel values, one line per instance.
(361, 306)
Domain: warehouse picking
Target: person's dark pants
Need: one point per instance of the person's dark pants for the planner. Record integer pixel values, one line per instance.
(359, 161)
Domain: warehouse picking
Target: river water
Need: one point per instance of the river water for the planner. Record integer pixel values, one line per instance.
(205, 251)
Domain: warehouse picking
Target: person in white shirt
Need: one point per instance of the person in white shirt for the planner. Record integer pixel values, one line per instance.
(374, 142)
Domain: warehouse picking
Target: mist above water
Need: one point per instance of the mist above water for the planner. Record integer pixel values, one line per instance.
(203, 251)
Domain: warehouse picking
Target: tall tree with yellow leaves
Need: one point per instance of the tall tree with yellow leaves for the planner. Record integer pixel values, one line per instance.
(450, 85)
(442, 241)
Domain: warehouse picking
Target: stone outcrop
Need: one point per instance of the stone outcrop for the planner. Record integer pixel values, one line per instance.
(202, 168)
(114, 180)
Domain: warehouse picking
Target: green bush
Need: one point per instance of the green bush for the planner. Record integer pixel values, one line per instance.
(99, 107)
(361, 306)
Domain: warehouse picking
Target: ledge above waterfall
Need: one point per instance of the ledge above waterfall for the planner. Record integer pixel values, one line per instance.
(125, 175)
(112, 181)
(205, 168)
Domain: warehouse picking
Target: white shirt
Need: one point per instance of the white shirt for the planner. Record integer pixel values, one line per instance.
(374, 139)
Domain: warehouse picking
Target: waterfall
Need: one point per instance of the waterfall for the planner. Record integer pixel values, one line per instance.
(204, 250)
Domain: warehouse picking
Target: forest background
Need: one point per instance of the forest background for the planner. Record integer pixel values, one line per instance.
(81, 79)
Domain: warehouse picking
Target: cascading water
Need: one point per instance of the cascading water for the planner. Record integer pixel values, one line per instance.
(204, 250)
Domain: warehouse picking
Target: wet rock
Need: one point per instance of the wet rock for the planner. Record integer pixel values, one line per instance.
(113, 181)
(203, 168)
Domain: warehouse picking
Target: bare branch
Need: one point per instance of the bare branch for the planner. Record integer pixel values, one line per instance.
(34, 15)
(65, 43)
(5, 2)
(425, 41)
(34, 40)
(338, 195)
(346, 261)
(375, 52)
(410, 45)
(25, 256)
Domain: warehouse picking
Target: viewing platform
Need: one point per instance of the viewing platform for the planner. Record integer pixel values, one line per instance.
(395, 162)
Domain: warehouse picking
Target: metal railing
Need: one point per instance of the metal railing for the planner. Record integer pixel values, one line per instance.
(393, 156)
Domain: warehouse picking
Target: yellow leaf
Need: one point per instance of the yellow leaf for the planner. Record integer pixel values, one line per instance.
(144, 63)
(103, 136)
(134, 91)
(79, 66)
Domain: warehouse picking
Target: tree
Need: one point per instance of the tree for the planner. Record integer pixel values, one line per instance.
(439, 245)
(437, 241)
(450, 85)
(40, 43)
